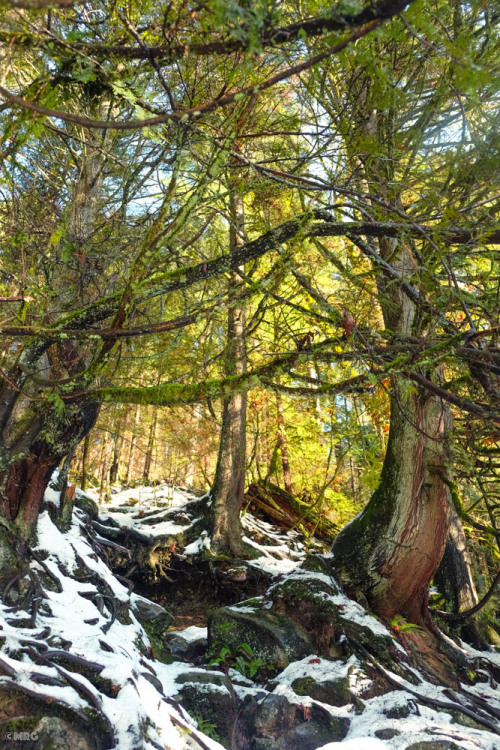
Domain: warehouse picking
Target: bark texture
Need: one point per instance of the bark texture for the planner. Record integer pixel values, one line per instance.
(390, 552)
(37, 428)
(229, 483)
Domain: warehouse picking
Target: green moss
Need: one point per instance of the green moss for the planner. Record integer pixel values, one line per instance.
(156, 630)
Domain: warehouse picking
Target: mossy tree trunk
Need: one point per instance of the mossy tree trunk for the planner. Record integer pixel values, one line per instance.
(391, 550)
(27, 471)
(37, 428)
(229, 483)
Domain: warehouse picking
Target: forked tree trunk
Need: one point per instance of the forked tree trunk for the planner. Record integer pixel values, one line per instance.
(35, 436)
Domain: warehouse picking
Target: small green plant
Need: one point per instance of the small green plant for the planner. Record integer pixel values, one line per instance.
(207, 727)
(242, 660)
(403, 626)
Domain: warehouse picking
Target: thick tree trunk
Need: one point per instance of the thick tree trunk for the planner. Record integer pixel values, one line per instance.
(391, 550)
(229, 484)
(24, 481)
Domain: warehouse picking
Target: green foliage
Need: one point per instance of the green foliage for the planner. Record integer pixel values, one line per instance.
(206, 727)
(57, 404)
(403, 626)
(242, 659)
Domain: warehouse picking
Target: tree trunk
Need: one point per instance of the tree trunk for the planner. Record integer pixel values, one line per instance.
(229, 483)
(115, 462)
(133, 441)
(392, 549)
(36, 434)
(285, 462)
(24, 481)
(151, 442)
(455, 582)
(85, 459)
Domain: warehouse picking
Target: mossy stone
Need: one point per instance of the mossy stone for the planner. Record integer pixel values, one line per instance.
(274, 639)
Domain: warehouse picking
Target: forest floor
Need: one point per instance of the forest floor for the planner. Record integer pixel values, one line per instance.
(96, 665)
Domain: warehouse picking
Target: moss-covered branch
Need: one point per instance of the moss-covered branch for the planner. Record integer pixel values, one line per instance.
(315, 224)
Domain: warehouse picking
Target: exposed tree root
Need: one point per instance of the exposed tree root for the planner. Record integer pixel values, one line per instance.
(447, 705)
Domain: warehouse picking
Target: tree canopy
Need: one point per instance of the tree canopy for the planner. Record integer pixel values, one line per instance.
(330, 170)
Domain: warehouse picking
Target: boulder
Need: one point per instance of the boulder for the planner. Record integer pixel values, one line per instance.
(187, 645)
(57, 734)
(332, 692)
(274, 639)
(210, 700)
(155, 620)
(314, 602)
(275, 723)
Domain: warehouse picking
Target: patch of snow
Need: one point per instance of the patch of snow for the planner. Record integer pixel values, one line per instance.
(203, 542)
(324, 670)
(423, 724)
(51, 540)
(361, 743)
(190, 634)
(52, 496)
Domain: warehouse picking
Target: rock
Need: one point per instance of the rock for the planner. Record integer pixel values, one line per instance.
(387, 734)
(277, 724)
(398, 712)
(189, 644)
(274, 639)
(205, 677)
(433, 745)
(85, 503)
(210, 704)
(333, 692)
(56, 734)
(155, 620)
(146, 610)
(309, 599)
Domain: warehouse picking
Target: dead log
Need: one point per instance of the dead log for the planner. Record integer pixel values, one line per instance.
(281, 507)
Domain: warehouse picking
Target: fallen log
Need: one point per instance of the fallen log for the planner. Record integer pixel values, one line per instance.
(288, 511)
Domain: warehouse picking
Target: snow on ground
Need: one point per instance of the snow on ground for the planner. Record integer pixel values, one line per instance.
(148, 511)
(138, 707)
(165, 511)
(75, 622)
